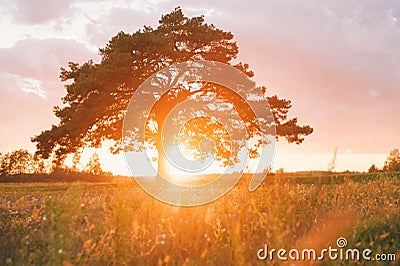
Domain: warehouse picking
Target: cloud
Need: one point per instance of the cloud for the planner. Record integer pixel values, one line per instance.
(30, 86)
(41, 59)
(22, 114)
(101, 29)
(39, 11)
(33, 86)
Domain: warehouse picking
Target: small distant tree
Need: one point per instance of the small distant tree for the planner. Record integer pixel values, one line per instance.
(2, 171)
(40, 165)
(76, 161)
(280, 171)
(332, 163)
(7, 164)
(373, 169)
(94, 166)
(4, 165)
(392, 162)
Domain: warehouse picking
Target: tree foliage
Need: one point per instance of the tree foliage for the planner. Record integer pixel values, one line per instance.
(392, 162)
(98, 93)
(19, 162)
(94, 165)
(373, 169)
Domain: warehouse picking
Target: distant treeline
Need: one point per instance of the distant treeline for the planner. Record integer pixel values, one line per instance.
(22, 162)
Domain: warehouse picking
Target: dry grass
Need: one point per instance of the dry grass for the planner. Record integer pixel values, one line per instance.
(118, 224)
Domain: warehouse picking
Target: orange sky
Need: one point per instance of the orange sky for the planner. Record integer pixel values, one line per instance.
(338, 61)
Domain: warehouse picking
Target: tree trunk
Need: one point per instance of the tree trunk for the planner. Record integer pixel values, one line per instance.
(163, 163)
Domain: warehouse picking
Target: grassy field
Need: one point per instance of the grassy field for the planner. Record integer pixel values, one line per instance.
(116, 223)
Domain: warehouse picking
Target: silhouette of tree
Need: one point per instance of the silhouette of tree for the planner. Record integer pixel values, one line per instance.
(76, 161)
(280, 171)
(392, 162)
(373, 169)
(94, 166)
(99, 93)
(17, 162)
(2, 164)
(332, 163)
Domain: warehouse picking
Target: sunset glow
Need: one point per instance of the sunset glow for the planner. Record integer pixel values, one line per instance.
(171, 132)
(339, 64)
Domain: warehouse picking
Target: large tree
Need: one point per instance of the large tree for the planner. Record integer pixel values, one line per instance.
(98, 94)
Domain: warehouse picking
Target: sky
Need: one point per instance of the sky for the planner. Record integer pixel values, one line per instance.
(337, 61)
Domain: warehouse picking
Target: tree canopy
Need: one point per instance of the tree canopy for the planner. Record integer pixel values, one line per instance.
(392, 162)
(19, 162)
(98, 94)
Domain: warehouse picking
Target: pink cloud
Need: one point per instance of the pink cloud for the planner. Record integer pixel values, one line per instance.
(30, 86)
(101, 30)
(22, 114)
(40, 11)
(42, 59)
